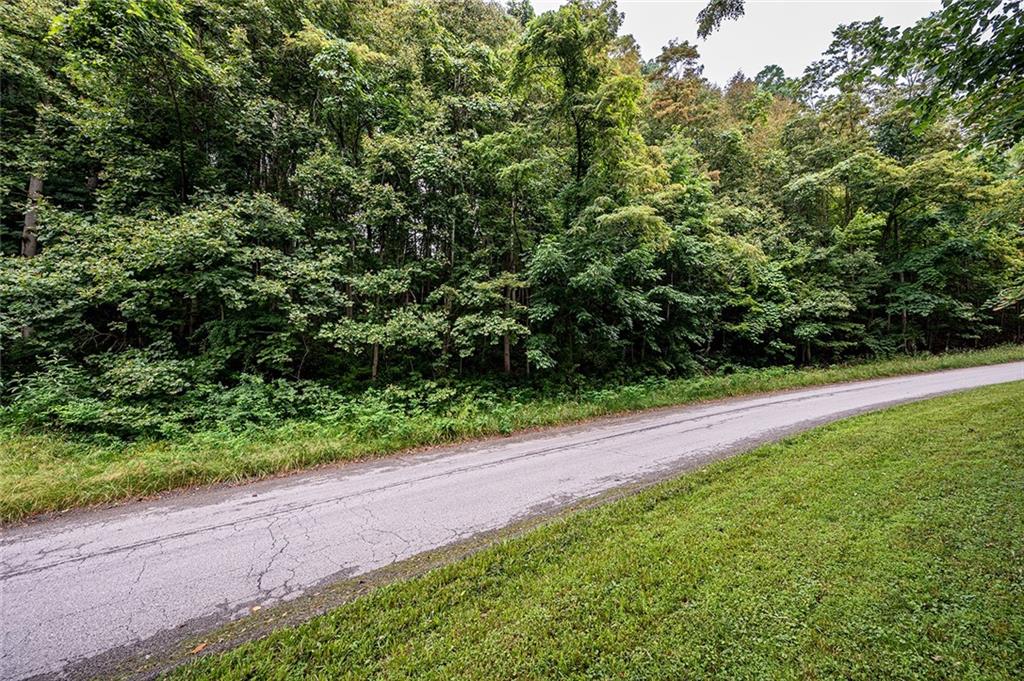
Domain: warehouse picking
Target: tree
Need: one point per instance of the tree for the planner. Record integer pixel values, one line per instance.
(972, 49)
(572, 45)
(130, 56)
(773, 79)
(715, 12)
(236, 216)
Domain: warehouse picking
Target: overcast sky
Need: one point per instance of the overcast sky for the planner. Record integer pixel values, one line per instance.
(790, 33)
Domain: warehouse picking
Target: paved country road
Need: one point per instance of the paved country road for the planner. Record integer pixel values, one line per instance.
(77, 587)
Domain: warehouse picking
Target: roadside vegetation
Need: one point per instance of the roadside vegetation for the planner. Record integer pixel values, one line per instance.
(232, 212)
(242, 236)
(884, 546)
(49, 471)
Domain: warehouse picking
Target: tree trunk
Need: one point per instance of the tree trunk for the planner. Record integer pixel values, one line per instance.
(508, 355)
(903, 318)
(376, 361)
(182, 166)
(29, 239)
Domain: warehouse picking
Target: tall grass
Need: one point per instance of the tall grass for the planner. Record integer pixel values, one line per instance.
(50, 472)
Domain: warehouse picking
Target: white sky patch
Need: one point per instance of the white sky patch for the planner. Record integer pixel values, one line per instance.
(790, 33)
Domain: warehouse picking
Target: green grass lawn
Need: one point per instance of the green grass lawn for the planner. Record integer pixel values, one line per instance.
(52, 472)
(886, 546)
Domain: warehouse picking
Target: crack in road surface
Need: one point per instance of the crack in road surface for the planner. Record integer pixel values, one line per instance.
(82, 586)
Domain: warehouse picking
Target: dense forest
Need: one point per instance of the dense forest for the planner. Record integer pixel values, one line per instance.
(263, 203)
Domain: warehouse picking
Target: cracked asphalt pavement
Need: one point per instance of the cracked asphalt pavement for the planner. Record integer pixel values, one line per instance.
(82, 585)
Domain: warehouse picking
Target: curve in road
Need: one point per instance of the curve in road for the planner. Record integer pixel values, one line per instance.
(77, 587)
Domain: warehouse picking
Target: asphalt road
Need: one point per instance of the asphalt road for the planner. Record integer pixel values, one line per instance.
(78, 586)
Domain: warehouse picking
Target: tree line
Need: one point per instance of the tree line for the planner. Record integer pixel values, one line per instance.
(196, 195)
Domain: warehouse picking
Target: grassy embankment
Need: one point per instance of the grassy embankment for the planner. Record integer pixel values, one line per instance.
(50, 472)
(886, 546)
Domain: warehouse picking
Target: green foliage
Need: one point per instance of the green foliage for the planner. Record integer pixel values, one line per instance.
(715, 12)
(245, 213)
(972, 49)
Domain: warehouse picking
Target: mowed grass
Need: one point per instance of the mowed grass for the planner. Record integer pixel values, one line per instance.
(886, 546)
(53, 472)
